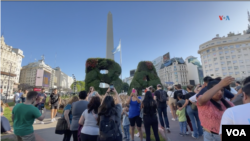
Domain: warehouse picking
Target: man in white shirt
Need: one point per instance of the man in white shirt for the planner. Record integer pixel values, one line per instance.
(238, 114)
(18, 96)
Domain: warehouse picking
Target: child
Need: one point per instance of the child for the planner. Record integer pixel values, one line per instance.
(125, 122)
(182, 118)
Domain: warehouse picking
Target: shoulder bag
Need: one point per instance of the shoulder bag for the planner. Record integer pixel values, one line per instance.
(61, 126)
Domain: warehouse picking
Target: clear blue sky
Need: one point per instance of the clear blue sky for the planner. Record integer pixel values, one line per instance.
(75, 31)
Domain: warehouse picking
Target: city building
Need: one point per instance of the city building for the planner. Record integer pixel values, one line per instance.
(195, 72)
(227, 56)
(157, 64)
(62, 80)
(130, 78)
(11, 60)
(174, 71)
(38, 75)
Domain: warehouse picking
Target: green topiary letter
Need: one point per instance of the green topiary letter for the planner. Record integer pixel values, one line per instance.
(94, 77)
(145, 76)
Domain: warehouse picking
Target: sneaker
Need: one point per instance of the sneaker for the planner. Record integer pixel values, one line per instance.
(168, 130)
(42, 122)
(34, 122)
(52, 120)
(173, 119)
(187, 133)
(137, 135)
(193, 136)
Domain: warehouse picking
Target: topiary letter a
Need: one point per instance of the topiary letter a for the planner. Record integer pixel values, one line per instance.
(145, 76)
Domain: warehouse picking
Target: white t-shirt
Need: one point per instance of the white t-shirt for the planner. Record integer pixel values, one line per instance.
(170, 94)
(233, 91)
(193, 98)
(236, 115)
(17, 96)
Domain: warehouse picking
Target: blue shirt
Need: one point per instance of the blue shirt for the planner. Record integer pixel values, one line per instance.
(227, 93)
(68, 107)
(134, 108)
(125, 119)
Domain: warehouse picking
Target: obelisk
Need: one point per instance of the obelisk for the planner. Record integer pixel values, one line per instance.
(110, 41)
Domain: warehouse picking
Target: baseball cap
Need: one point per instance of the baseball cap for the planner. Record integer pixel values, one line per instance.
(159, 85)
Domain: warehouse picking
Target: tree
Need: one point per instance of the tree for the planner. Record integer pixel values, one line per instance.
(94, 77)
(125, 86)
(144, 76)
(80, 86)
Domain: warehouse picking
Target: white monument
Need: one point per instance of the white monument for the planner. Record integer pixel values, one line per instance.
(110, 41)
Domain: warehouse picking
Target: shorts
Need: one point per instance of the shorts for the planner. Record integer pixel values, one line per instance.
(30, 137)
(54, 107)
(172, 101)
(136, 120)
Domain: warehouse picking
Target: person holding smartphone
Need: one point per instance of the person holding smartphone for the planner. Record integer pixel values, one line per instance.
(41, 99)
(92, 93)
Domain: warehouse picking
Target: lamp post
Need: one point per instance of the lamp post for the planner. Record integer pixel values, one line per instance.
(8, 84)
(74, 89)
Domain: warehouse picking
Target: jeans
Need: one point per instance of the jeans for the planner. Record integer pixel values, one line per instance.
(40, 107)
(183, 127)
(211, 137)
(18, 101)
(163, 110)
(148, 122)
(193, 115)
(67, 135)
(23, 99)
(126, 131)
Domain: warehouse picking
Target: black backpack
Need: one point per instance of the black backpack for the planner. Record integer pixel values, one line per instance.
(109, 129)
(163, 96)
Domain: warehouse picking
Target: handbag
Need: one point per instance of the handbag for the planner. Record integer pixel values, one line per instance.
(194, 107)
(61, 126)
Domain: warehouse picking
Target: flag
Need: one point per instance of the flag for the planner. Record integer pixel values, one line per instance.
(118, 48)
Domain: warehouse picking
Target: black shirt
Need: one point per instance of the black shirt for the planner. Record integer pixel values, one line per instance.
(149, 109)
(176, 94)
(188, 95)
(54, 99)
(157, 94)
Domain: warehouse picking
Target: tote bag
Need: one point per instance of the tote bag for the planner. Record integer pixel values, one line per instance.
(61, 126)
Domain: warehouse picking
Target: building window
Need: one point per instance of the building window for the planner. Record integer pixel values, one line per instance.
(229, 68)
(225, 47)
(231, 46)
(214, 49)
(208, 50)
(215, 63)
(222, 63)
(236, 67)
(233, 56)
(245, 55)
(222, 57)
(216, 69)
(223, 68)
(239, 56)
(232, 51)
(204, 57)
(208, 55)
(211, 69)
(239, 51)
(242, 66)
(227, 57)
(237, 46)
(237, 73)
(226, 52)
(228, 62)
(214, 54)
(209, 60)
(231, 73)
(218, 42)
(210, 65)
(234, 61)
(205, 61)
(241, 61)
(221, 52)
(215, 59)
(224, 74)
(220, 48)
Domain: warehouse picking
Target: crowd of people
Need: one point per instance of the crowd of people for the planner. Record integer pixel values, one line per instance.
(90, 117)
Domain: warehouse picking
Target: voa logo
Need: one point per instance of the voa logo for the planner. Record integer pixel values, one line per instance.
(224, 17)
(236, 132)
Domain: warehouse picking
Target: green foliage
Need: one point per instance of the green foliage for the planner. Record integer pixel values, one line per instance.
(125, 86)
(94, 77)
(7, 113)
(145, 76)
(80, 86)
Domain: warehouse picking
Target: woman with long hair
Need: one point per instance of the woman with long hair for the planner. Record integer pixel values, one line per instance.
(134, 113)
(92, 93)
(172, 102)
(149, 107)
(68, 117)
(110, 108)
(5, 125)
(211, 106)
(90, 129)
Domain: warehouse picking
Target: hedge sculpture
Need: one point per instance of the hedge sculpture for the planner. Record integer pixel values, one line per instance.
(94, 77)
(145, 76)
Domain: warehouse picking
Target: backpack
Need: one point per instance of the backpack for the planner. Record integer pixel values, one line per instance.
(163, 97)
(108, 128)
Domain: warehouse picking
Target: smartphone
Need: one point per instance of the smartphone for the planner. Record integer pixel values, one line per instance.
(111, 87)
(133, 91)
